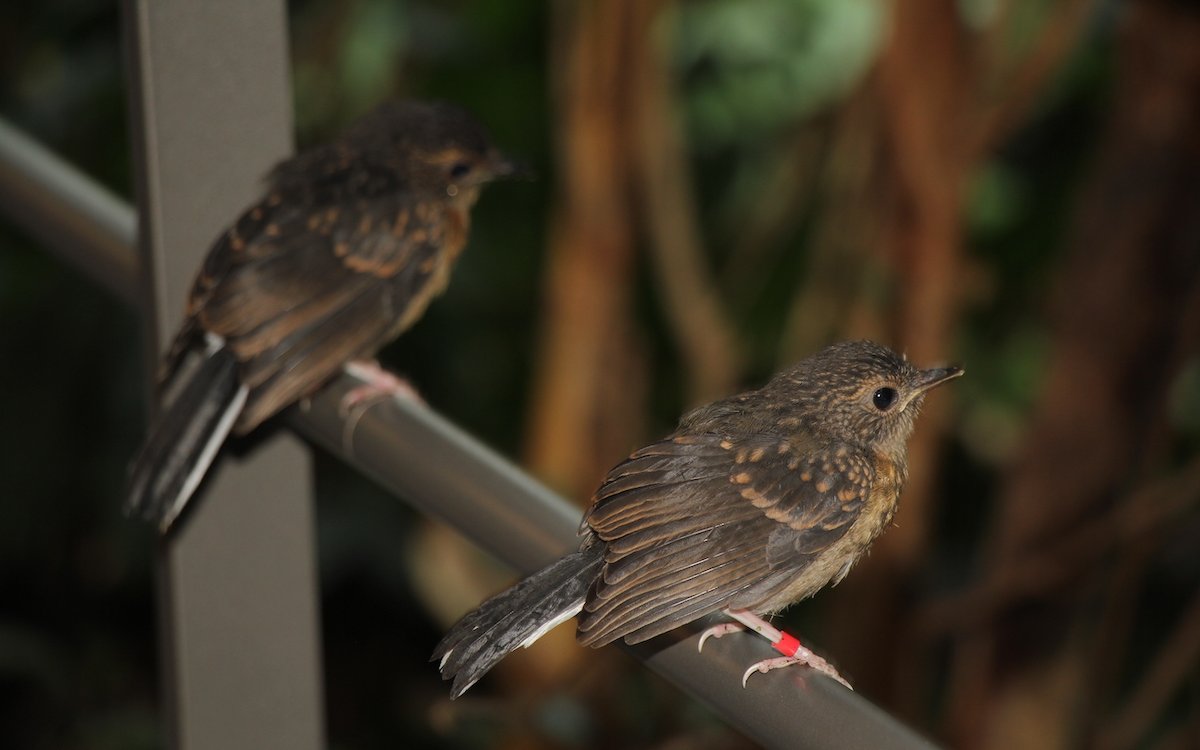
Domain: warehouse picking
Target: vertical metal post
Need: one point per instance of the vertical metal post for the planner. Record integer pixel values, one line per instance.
(211, 112)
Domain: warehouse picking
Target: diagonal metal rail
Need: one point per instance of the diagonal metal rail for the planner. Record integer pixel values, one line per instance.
(443, 471)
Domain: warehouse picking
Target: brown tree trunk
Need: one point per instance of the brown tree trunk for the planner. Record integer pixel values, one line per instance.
(588, 378)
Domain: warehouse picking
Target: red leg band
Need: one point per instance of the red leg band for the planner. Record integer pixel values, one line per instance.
(787, 645)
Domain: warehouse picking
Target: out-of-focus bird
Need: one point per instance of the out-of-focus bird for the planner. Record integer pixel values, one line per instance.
(343, 252)
(753, 503)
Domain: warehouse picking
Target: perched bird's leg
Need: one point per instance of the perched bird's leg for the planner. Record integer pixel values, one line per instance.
(791, 648)
(379, 383)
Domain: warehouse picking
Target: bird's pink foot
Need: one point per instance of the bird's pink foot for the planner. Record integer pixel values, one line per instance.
(788, 645)
(379, 383)
(802, 656)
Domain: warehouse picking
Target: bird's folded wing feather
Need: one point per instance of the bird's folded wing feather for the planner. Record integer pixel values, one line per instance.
(299, 285)
(700, 522)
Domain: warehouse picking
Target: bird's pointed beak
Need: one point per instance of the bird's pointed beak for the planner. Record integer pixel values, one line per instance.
(935, 376)
(504, 168)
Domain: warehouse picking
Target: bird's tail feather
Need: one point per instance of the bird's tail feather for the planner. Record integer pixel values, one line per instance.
(516, 617)
(204, 402)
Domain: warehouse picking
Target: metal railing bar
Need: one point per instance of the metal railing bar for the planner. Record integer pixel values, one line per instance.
(76, 218)
(443, 471)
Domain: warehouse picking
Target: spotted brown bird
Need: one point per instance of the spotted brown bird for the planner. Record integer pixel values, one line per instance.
(344, 251)
(754, 502)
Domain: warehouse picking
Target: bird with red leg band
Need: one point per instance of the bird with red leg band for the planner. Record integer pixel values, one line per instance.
(754, 502)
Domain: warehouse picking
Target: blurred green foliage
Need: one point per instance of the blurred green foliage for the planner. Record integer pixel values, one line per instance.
(756, 67)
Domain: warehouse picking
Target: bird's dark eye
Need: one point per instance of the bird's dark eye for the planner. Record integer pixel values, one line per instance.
(459, 169)
(884, 398)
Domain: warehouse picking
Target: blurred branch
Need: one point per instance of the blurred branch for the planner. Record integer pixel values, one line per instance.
(925, 90)
(1025, 79)
(790, 178)
(1176, 663)
(1133, 241)
(835, 297)
(1119, 334)
(1044, 572)
(690, 297)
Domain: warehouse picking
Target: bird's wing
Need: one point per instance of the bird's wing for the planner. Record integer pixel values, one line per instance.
(298, 288)
(700, 522)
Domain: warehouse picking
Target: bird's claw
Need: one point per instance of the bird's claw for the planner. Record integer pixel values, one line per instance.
(716, 631)
(803, 656)
(379, 384)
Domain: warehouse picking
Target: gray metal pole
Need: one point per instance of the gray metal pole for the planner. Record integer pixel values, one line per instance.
(429, 462)
(211, 112)
(82, 222)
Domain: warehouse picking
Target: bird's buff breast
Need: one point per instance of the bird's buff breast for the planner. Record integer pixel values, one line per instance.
(832, 565)
(436, 276)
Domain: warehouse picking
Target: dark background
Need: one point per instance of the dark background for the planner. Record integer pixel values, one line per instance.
(723, 187)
